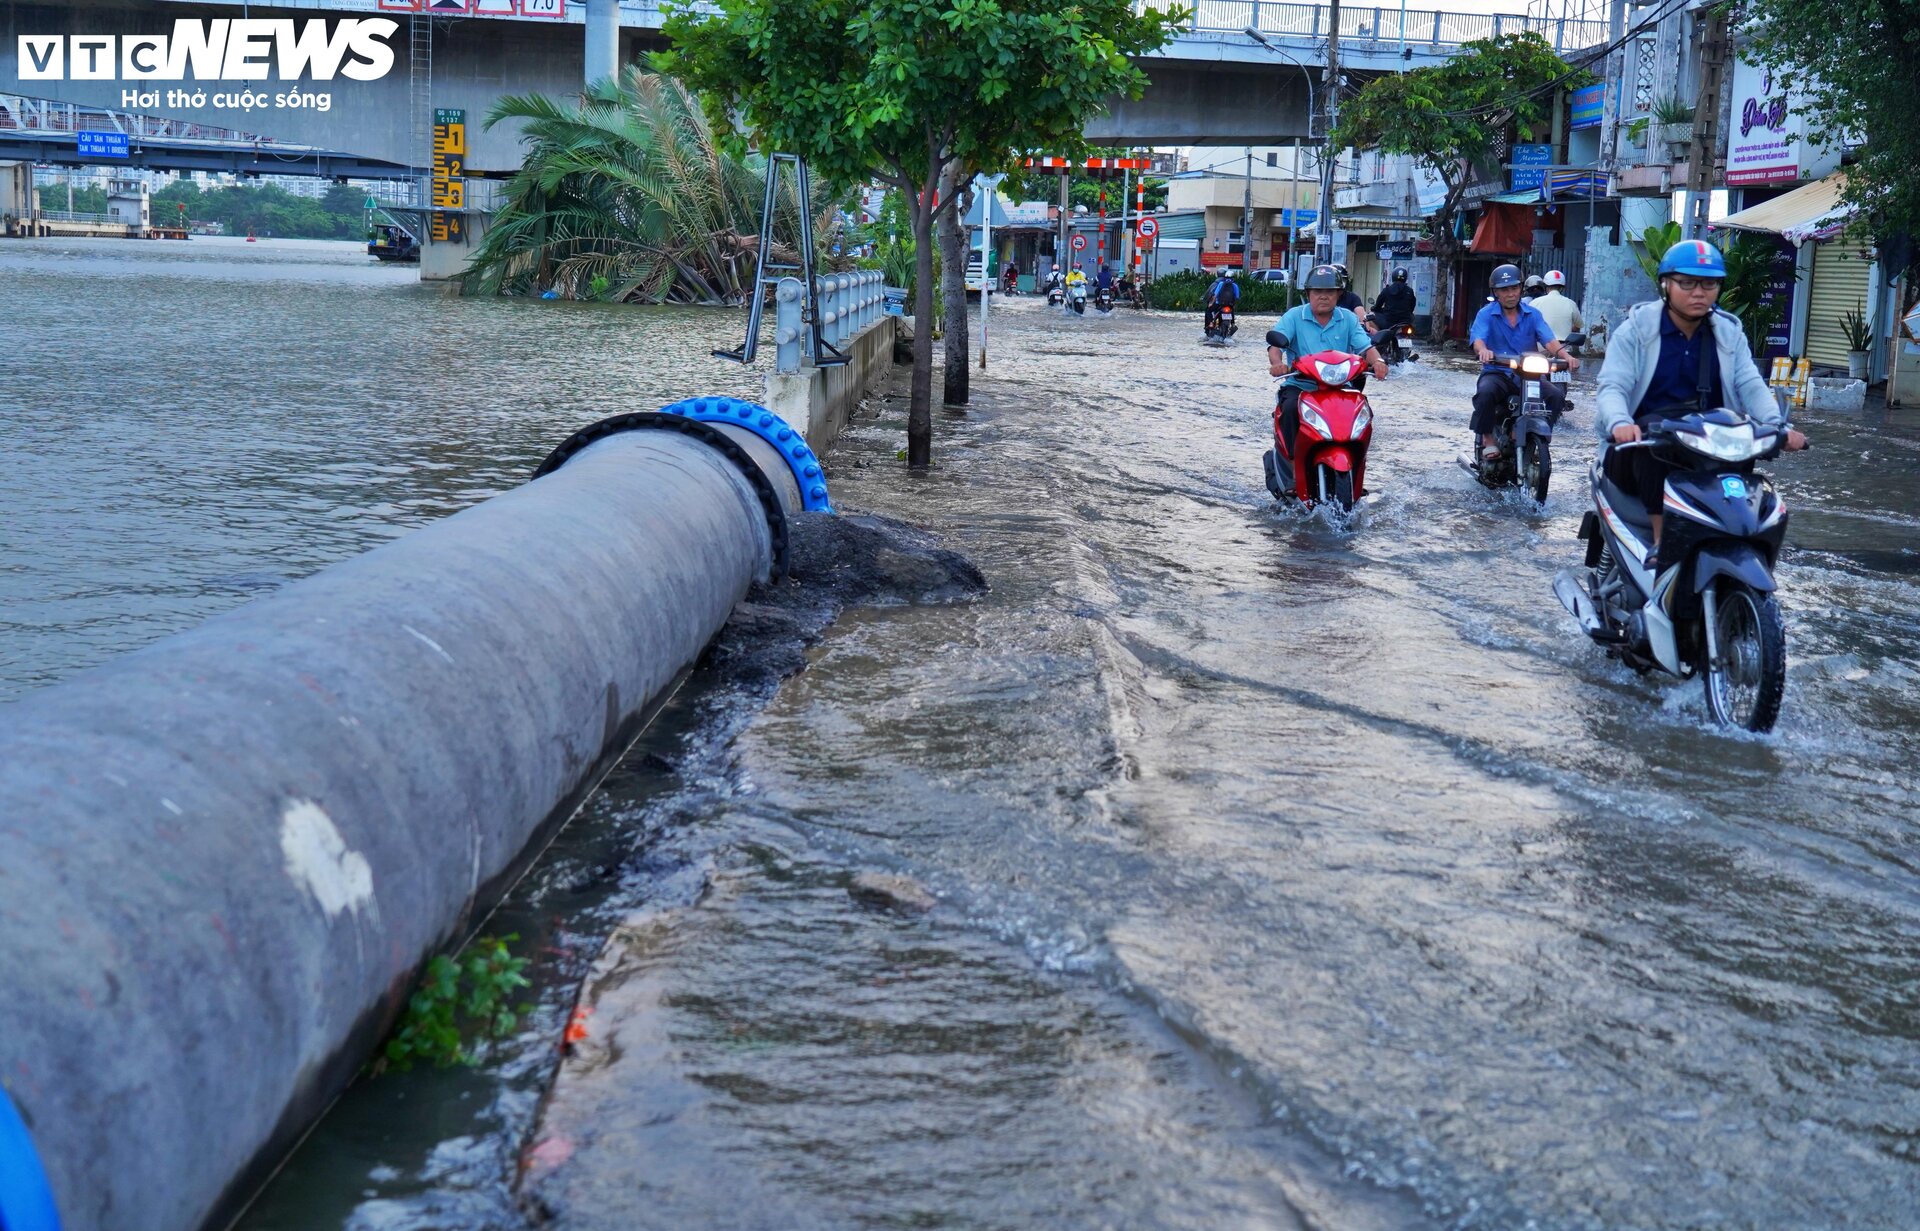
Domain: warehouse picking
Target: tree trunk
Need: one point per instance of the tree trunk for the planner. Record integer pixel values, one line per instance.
(920, 404)
(953, 285)
(1444, 251)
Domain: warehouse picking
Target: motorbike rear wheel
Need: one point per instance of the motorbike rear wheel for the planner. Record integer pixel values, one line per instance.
(1536, 468)
(1745, 686)
(1272, 466)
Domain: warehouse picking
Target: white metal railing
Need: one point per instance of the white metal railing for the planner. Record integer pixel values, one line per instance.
(20, 113)
(1376, 25)
(59, 215)
(846, 303)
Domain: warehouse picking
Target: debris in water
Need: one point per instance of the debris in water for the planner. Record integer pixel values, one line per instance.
(885, 891)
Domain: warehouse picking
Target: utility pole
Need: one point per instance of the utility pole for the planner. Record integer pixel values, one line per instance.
(1124, 249)
(1246, 219)
(1323, 223)
(1293, 214)
(987, 189)
(1703, 170)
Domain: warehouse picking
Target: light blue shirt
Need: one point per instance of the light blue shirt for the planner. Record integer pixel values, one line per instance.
(1342, 332)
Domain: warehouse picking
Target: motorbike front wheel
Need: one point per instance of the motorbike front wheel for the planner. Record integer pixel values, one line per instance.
(1746, 683)
(1080, 306)
(1537, 467)
(1335, 486)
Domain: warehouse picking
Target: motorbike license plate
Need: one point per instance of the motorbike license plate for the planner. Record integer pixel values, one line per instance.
(1560, 378)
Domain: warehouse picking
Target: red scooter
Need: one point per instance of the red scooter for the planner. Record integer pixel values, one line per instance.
(1336, 426)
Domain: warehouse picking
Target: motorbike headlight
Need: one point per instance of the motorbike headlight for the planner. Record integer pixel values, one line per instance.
(1361, 422)
(1535, 365)
(1729, 444)
(1334, 373)
(1311, 417)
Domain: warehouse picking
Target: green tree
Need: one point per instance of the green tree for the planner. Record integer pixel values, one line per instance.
(1855, 66)
(626, 184)
(1450, 118)
(898, 89)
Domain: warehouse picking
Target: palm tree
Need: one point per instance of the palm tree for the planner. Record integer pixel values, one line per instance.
(626, 195)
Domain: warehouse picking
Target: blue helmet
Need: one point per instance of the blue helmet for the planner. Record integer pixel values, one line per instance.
(1694, 257)
(1504, 276)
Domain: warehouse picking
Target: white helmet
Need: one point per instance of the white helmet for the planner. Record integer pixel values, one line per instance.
(1556, 278)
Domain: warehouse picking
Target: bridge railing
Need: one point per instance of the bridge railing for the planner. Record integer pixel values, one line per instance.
(1380, 25)
(21, 113)
(60, 215)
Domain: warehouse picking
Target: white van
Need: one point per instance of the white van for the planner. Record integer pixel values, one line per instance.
(976, 278)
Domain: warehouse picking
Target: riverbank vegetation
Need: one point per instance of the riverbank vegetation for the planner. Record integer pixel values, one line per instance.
(265, 209)
(626, 195)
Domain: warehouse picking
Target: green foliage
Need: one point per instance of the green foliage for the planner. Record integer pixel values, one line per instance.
(898, 89)
(1673, 110)
(1186, 291)
(459, 997)
(1458, 109)
(1084, 191)
(1652, 244)
(1750, 261)
(1854, 69)
(88, 199)
(267, 209)
(626, 188)
(1854, 325)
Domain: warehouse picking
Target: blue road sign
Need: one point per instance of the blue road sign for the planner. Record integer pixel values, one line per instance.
(102, 145)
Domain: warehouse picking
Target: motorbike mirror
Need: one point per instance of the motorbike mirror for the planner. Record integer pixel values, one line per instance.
(1576, 339)
(1281, 340)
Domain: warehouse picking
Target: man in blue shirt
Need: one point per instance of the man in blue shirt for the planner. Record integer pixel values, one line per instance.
(1320, 324)
(1509, 326)
(1224, 292)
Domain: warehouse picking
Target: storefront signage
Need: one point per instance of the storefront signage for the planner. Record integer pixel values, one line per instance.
(1777, 299)
(1530, 164)
(1586, 106)
(1764, 142)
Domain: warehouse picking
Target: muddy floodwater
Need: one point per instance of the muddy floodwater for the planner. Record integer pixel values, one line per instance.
(1286, 872)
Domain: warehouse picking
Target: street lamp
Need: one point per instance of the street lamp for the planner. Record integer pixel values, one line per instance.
(1323, 211)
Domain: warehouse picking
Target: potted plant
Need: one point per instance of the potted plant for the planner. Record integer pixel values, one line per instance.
(1675, 118)
(1859, 341)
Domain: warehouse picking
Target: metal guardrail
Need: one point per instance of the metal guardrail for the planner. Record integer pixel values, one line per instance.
(1378, 26)
(848, 303)
(57, 215)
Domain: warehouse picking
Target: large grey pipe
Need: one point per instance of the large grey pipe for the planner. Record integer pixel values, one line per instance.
(223, 857)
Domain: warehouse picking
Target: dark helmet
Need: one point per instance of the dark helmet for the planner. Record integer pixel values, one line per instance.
(1504, 276)
(1323, 278)
(1399, 275)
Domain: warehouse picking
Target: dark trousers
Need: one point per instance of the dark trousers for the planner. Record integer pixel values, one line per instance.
(1491, 394)
(1286, 416)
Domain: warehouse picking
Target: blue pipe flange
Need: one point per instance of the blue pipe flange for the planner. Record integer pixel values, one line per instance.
(26, 1203)
(771, 428)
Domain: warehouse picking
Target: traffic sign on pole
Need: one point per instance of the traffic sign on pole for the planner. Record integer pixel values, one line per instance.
(1079, 243)
(1148, 228)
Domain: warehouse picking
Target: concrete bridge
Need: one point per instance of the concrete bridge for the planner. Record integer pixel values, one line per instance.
(1211, 85)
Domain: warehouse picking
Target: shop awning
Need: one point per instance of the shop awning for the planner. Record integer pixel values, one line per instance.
(1813, 211)
(1524, 196)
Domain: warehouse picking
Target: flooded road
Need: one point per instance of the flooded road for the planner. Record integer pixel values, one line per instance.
(1289, 873)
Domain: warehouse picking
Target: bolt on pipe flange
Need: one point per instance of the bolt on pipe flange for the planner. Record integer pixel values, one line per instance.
(770, 428)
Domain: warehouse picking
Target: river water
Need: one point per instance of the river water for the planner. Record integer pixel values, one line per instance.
(1290, 873)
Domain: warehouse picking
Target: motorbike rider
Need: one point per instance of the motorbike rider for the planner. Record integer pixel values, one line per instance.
(1320, 324)
(1224, 292)
(1104, 278)
(1562, 313)
(1393, 308)
(1349, 298)
(1509, 326)
(1010, 278)
(1055, 281)
(1675, 354)
(1536, 286)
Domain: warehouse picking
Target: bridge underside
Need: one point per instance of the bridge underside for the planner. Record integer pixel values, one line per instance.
(1195, 103)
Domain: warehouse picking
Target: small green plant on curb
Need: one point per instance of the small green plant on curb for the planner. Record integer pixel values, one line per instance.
(1859, 332)
(468, 994)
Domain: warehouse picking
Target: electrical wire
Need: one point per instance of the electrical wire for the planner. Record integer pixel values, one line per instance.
(1593, 54)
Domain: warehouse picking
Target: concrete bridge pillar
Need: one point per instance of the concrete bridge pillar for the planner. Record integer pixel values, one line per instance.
(603, 39)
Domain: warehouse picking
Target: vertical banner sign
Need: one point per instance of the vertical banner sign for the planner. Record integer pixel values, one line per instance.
(1585, 106)
(449, 176)
(1782, 279)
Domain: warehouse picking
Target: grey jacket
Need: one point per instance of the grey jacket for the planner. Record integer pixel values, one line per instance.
(1633, 351)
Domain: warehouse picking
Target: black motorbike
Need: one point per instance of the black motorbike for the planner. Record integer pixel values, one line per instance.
(1219, 325)
(1129, 293)
(1395, 344)
(1103, 298)
(1710, 611)
(1056, 293)
(1525, 431)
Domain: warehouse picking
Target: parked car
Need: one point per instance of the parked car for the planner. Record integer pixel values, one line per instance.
(1272, 275)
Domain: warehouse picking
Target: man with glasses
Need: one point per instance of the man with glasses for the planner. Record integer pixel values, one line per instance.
(1676, 356)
